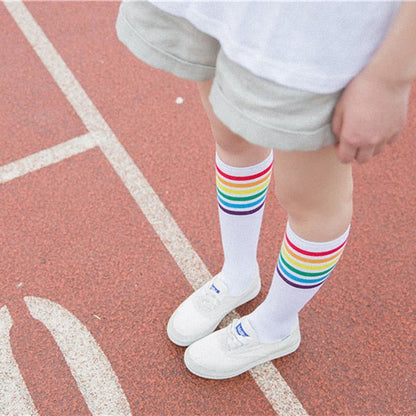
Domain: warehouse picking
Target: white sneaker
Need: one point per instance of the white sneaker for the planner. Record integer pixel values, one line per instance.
(235, 349)
(201, 312)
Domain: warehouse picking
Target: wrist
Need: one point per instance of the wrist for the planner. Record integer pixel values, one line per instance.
(394, 62)
(392, 80)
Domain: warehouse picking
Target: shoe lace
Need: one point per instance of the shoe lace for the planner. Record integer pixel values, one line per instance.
(233, 341)
(209, 300)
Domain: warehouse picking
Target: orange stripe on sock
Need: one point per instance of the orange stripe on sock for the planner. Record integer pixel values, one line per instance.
(307, 260)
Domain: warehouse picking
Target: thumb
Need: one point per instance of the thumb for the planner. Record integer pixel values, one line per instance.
(345, 151)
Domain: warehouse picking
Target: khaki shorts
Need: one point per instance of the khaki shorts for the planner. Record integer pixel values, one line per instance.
(263, 112)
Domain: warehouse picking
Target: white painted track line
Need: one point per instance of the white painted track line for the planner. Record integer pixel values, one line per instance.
(155, 212)
(92, 371)
(269, 380)
(56, 66)
(15, 398)
(46, 157)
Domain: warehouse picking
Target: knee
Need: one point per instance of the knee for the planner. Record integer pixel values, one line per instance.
(228, 142)
(306, 205)
(231, 147)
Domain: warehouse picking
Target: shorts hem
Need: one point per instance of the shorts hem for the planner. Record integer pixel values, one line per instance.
(157, 58)
(267, 136)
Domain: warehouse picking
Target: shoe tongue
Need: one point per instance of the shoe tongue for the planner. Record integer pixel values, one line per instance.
(218, 286)
(244, 329)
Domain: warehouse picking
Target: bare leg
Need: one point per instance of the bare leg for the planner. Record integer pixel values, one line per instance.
(315, 189)
(241, 199)
(243, 174)
(231, 148)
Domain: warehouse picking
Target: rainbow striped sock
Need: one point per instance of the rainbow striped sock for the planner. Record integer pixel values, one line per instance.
(241, 193)
(302, 268)
(304, 264)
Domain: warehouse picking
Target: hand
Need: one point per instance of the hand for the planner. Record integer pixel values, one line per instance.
(370, 114)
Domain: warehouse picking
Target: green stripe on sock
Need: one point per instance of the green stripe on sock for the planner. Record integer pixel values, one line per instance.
(241, 198)
(302, 273)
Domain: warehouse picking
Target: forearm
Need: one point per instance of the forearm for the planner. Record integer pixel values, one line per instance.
(395, 60)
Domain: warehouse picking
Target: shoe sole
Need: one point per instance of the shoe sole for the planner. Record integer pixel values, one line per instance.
(288, 350)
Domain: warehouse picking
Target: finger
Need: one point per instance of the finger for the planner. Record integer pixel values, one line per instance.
(378, 149)
(337, 122)
(393, 138)
(345, 152)
(364, 154)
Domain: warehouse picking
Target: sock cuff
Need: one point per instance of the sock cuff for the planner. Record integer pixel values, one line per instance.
(315, 246)
(306, 264)
(241, 172)
(242, 191)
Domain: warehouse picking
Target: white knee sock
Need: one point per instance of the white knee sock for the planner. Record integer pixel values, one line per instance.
(302, 268)
(241, 195)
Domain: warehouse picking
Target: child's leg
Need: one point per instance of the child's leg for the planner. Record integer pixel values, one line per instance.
(316, 191)
(243, 174)
(231, 148)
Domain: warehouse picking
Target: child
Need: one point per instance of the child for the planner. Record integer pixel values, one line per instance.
(312, 86)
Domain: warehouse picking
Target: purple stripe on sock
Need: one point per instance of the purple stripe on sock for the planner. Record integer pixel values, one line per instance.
(228, 211)
(295, 284)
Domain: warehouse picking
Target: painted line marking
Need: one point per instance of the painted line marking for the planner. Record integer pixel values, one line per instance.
(155, 212)
(47, 157)
(89, 366)
(269, 380)
(15, 398)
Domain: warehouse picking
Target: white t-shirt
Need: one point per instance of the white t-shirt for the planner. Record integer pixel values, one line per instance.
(315, 46)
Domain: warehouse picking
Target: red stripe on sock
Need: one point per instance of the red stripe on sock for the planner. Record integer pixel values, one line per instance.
(312, 253)
(243, 178)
